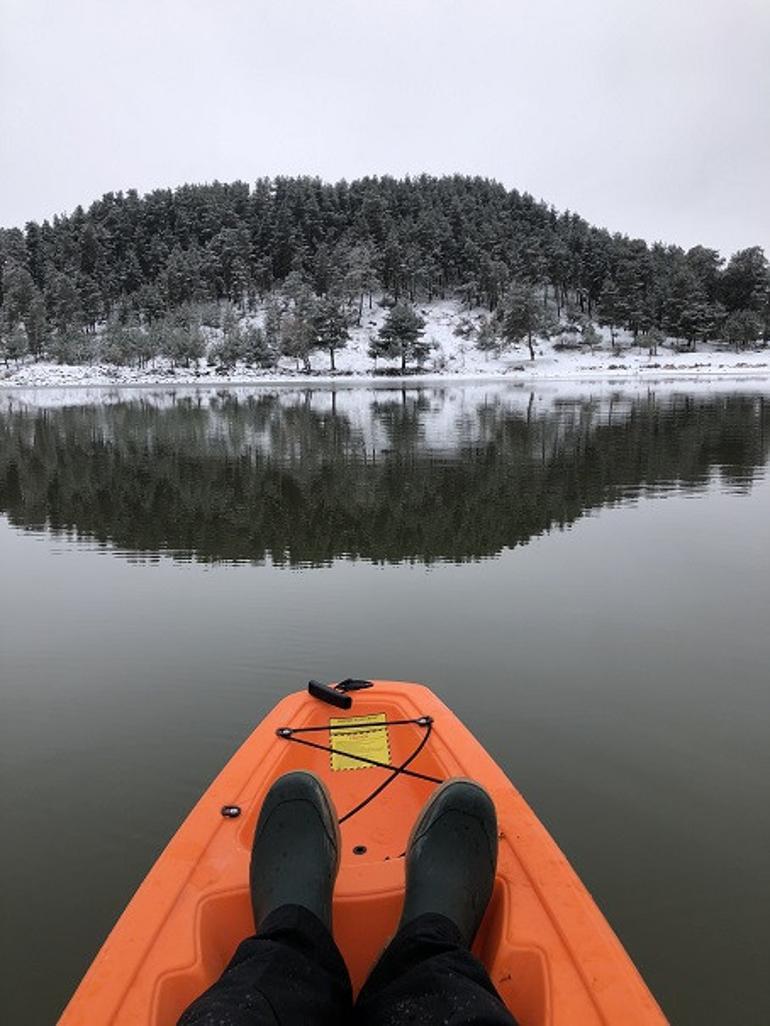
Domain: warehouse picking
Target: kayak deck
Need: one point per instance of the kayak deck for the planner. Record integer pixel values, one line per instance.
(550, 952)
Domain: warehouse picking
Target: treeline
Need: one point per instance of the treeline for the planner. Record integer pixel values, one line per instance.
(132, 277)
(266, 477)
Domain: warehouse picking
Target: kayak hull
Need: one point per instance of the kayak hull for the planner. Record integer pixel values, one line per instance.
(548, 949)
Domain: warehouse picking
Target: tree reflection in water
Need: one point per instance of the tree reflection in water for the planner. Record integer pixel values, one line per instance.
(385, 475)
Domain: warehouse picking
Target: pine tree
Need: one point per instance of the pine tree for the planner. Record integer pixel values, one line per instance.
(590, 336)
(522, 316)
(298, 339)
(14, 343)
(182, 338)
(610, 309)
(272, 324)
(256, 351)
(18, 292)
(331, 328)
(742, 328)
(401, 336)
(36, 324)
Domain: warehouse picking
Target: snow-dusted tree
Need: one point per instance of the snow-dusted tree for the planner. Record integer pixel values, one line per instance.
(115, 343)
(331, 327)
(183, 339)
(745, 280)
(742, 328)
(14, 344)
(36, 324)
(651, 340)
(271, 324)
(360, 275)
(256, 351)
(401, 336)
(591, 336)
(18, 291)
(298, 338)
(125, 342)
(522, 316)
(72, 345)
(610, 309)
(63, 302)
(228, 350)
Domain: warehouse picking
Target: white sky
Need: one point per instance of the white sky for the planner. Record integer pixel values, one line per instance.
(650, 117)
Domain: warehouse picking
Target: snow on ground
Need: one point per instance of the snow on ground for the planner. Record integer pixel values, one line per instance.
(452, 357)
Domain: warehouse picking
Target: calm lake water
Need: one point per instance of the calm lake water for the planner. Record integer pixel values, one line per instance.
(583, 577)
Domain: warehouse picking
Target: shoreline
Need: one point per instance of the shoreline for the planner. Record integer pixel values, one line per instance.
(759, 372)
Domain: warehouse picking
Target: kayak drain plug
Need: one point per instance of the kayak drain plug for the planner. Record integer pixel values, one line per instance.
(231, 811)
(360, 849)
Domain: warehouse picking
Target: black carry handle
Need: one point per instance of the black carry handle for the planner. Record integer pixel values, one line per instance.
(329, 694)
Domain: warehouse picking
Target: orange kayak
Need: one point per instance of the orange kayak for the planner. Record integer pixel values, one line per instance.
(550, 952)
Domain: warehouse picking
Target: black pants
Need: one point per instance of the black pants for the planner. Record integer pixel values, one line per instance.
(292, 974)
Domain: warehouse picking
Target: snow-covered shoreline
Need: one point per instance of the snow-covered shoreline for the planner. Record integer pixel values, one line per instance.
(452, 358)
(599, 367)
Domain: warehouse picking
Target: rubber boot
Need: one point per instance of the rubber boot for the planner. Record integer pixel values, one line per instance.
(296, 850)
(451, 857)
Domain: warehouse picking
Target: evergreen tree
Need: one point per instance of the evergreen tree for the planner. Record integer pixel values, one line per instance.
(610, 309)
(272, 324)
(745, 280)
(63, 303)
(359, 275)
(651, 340)
(298, 339)
(36, 324)
(331, 328)
(590, 336)
(181, 338)
(742, 328)
(14, 344)
(522, 316)
(18, 291)
(400, 337)
(256, 351)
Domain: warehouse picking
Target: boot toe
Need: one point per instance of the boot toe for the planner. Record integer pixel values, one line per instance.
(300, 786)
(465, 798)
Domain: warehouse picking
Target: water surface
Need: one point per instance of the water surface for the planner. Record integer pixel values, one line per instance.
(583, 577)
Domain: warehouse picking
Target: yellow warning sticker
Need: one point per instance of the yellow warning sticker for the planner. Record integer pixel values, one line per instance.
(357, 737)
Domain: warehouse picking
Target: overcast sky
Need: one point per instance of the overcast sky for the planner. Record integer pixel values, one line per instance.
(650, 117)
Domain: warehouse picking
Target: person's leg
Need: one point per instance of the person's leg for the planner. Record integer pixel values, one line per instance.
(427, 973)
(290, 972)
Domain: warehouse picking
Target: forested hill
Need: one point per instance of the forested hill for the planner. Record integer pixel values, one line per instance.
(132, 261)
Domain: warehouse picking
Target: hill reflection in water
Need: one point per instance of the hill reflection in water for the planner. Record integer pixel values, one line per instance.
(304, 477)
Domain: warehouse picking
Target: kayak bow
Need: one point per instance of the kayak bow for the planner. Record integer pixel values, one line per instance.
(551, 954)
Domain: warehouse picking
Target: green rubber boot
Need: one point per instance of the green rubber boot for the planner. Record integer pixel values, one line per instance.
(296, 850)
(451, 857)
